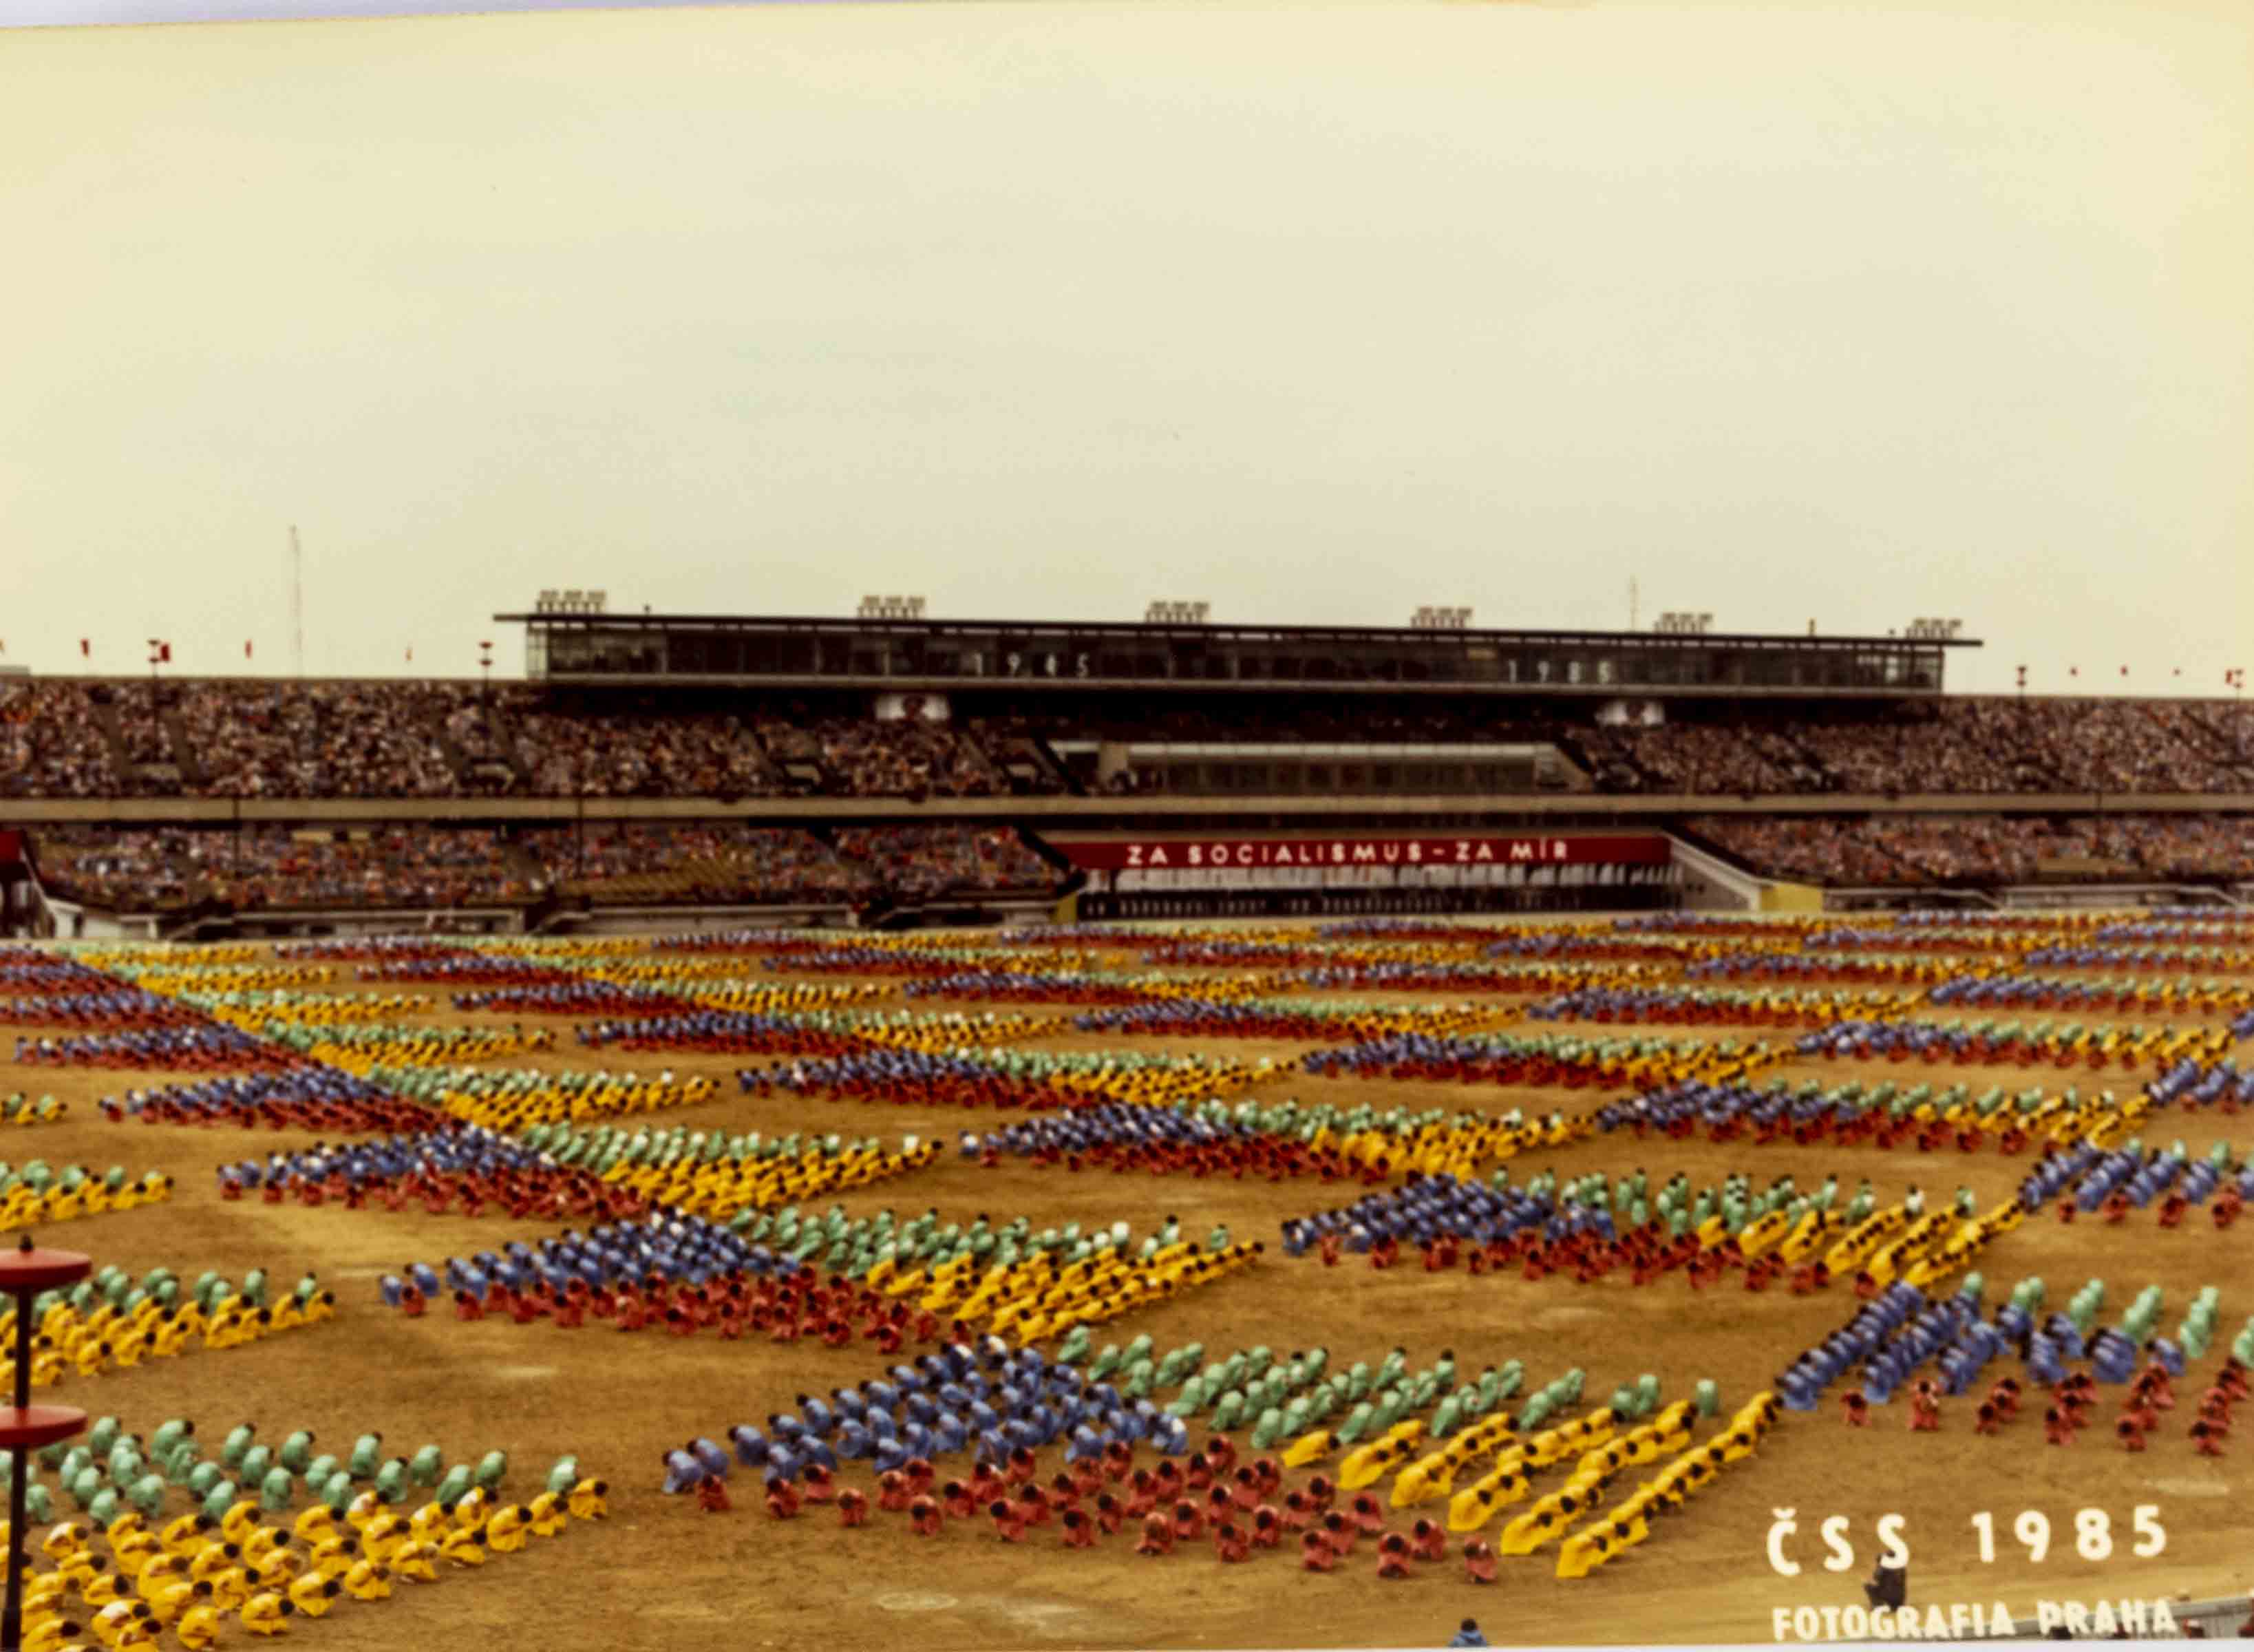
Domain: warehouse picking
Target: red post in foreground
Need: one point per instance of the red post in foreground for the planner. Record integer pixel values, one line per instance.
(24, 1427)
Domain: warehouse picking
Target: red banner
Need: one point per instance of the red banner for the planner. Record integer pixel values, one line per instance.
(1217, 853)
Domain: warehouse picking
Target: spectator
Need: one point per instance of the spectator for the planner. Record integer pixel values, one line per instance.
(1888, 1587)
(696, 862)
(1910, 850)
(290, 738)
(51, 740)
(259, 868)
(909, 756)
(261, 739)
(927, 862)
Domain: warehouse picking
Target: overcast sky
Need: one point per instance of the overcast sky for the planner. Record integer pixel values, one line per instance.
(1318, 313)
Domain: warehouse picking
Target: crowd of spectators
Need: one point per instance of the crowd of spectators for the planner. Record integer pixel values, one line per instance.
(1957, 746)
(150, 869)
(708, 861)
(137, 869)
(145, 731)
(1014, 745)
(52, 742)
(927, 862)
(2189, 846)
(300, 738)
(1805, 848)
(911, 756)
(323, 739)
(259, 868)
(693, 861)
(1704, 758)
(1974, 747)
(633, 754)
(1908, 849)
(674, 862)
(2139, 745)
(477, 731)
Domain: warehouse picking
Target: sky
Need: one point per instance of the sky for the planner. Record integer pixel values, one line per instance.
(1050, 308)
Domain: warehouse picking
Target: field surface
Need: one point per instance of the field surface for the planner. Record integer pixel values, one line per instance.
(662, 1571)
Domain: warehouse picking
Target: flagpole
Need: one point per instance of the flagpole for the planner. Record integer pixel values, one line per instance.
(297, 597)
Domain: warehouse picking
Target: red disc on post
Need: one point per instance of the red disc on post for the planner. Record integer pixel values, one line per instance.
(38, 1425)
(25, 1271)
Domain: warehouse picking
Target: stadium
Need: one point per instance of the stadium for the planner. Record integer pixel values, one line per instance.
(1268, 1063)
(1515, 1024)
(901, 771)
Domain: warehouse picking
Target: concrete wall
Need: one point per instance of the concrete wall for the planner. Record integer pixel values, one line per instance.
(615, 920)
(1783, 897)
(74, 922)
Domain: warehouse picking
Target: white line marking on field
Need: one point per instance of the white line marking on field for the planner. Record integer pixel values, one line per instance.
(908, 1602)
(2190, 1487)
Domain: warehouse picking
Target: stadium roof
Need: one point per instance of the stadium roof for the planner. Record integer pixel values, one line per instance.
(928, 626)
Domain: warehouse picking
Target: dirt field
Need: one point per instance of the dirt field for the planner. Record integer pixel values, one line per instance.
(662, 1573)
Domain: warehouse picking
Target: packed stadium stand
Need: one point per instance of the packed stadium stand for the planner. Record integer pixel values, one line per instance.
(1924, 850)
(262, 867)
(861, 769)
(83, 738)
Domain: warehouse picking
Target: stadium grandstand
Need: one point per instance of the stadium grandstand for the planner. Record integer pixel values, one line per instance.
(900, 769)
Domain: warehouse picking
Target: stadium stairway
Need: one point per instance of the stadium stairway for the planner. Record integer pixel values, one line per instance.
(504, 735)
(2037, 764)
(804, 772)
(1814, 770)
(184, 750)
(772, 778)
(1726, 874)
(1047, 753)
(457, 759)
(1600, 773)
(526, 866)
(113, 735)
(1558, 770)
(981, 756)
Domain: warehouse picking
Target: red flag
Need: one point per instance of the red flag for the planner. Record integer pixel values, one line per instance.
(164, 653)
(246, 650)
(85, 649)
(2124, 670)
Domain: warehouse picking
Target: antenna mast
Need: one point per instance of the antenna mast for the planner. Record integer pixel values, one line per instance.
(1631, 602)
(297, 597)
